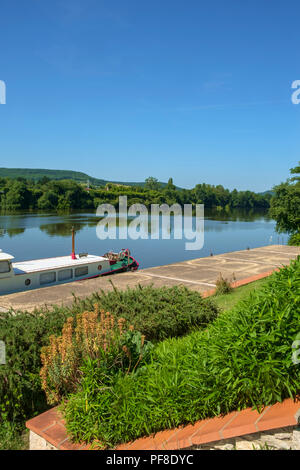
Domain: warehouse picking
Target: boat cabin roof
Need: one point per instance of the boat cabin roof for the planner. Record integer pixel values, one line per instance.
(55, 263)
(5, 256)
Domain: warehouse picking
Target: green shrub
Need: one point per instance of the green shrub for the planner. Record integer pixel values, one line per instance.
(13, 437)
(113, 347)
(156, 313)
(223, 286)
(243, 359)
(294, 239)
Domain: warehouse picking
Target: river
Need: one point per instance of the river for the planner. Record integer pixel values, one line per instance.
(42, 235)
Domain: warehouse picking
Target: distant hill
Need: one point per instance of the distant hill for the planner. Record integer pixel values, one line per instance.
(267, 192)
(37, 173)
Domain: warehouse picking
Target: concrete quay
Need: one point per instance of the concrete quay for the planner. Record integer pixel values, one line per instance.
(198, 274)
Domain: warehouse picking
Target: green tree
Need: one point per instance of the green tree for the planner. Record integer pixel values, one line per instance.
(43, 180)
(170, 185)
(17, 197)
(296, 170)
(48, 200)
(67, 194)
(285, 204)
(151, 183)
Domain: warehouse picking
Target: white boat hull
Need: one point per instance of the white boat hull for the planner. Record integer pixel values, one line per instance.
(35, 274)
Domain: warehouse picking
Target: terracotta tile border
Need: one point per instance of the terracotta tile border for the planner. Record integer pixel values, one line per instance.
(50, 425)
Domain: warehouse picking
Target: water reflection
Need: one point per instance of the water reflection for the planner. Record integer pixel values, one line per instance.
(60, 224)
(237, 215)
(37, 235)
(62, 229)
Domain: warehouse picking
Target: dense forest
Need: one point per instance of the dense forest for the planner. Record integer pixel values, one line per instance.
(63, 195)
(285, 206)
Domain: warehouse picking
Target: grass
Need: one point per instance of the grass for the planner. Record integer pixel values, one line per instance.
(13, 438)
(228, 301)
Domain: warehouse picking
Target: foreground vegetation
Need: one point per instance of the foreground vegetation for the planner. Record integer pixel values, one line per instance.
(244, 358)
(157, 313)
(228, 301)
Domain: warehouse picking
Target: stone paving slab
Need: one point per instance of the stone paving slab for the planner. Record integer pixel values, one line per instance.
(199, 274)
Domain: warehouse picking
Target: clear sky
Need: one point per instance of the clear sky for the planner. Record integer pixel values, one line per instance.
(126, 89)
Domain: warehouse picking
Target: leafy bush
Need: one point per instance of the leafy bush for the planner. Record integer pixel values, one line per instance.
(243, 359)
(285, 204)
(294, 239)
(157, 313)
(95, 336)
(24, 334)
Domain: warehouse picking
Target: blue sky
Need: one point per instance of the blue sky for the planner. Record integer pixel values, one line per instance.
(125, 89)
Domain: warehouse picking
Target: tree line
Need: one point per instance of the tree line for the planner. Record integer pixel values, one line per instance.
(285, 206)
(63, 195)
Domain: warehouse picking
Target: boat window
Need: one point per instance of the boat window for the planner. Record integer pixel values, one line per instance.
(81, 271)
(65, 274)
(4, 267)
(47, 278)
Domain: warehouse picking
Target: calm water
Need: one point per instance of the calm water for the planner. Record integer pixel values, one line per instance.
(35, 235)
